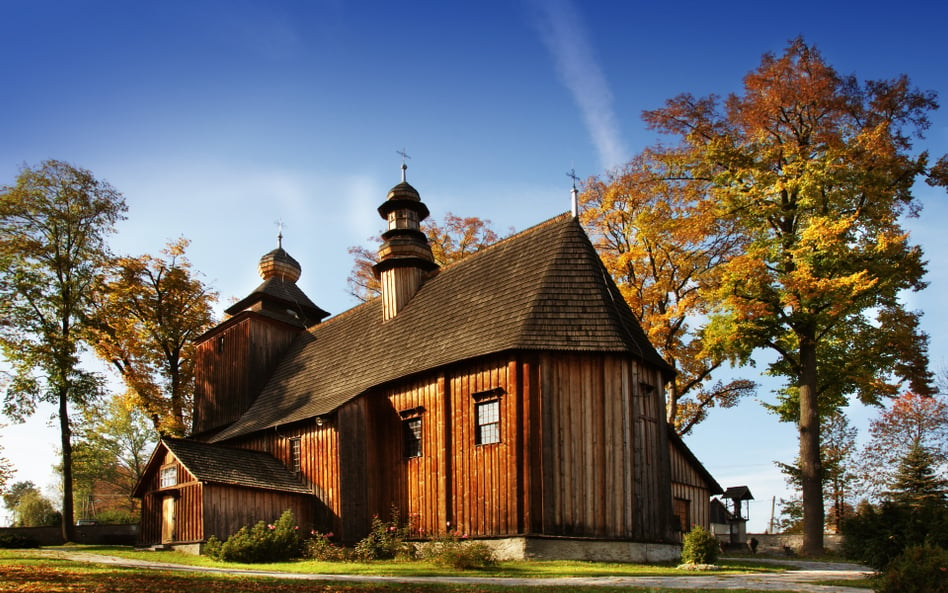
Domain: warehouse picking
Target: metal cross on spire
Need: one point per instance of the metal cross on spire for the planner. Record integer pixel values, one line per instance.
(572, 175)
(574, 194)
(405, 156)
(280, 224)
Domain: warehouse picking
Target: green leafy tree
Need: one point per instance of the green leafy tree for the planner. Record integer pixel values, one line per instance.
(663, 244)
(53, 224)
(815, 170)
(837, 458)
(110, 455)
(149, 311)
(31, 508)
(7, 470)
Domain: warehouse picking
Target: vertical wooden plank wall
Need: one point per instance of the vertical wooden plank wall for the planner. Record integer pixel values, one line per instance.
(484, 497)
(416, 486)
(602, 441)
(688, 485)
(318, 464)
(188, 506)
(228, 508)
(232, 366)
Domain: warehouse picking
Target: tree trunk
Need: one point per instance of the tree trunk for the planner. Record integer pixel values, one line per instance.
(65, 432)
(811, 468)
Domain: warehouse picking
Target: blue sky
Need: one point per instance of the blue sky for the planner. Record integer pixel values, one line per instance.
(217, 119)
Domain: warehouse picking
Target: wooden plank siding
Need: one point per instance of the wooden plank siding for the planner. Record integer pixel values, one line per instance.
(688, 485)
(599, 433)
(318, 464)
(228, 508)
(188, 506)
(580, 453)
(232, 364)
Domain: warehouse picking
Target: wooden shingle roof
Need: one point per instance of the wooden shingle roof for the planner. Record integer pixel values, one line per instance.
(236, 467)
(542, 289)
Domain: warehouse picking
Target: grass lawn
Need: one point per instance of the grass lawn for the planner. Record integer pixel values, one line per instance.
(512, 569)
(31, 571)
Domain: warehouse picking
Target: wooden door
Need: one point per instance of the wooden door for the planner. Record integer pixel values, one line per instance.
(167, 518)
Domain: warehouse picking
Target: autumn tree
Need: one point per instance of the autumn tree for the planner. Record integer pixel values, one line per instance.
(450, 241)
(660, 239)
(149, 311)
(911, 421)
(53, 224)
(815, 170)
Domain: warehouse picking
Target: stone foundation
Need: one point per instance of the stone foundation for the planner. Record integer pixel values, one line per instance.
(593, 550)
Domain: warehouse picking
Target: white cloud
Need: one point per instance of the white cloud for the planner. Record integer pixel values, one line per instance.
(564, 35)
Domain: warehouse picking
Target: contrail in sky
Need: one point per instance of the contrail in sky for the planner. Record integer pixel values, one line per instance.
(564, 35)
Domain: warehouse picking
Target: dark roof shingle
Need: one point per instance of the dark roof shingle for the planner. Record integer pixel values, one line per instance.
(542, 289)
(238, 467)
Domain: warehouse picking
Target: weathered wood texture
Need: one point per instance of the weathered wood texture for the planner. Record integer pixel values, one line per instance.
(201, 510)
(228, 508)
(319, 469)
(187, 508)
(580, 454)
(603, 442)
(232, 364)
(688, 486)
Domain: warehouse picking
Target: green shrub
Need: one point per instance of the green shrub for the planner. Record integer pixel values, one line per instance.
(700, 547)
(876, 535)
(385, 540)
(455, 551)
(919, 569)
(263, 542)
(17, 540)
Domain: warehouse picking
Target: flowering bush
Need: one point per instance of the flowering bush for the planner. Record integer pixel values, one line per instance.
(273, 542)
(385, 540)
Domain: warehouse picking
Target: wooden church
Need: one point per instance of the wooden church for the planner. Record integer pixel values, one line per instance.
(511, 395)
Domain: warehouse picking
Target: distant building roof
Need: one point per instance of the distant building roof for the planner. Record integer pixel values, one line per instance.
(738, 493)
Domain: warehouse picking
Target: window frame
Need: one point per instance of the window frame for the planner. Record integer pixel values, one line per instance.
(482, 400)
(296, 454)
(168, 476)
(413, 441)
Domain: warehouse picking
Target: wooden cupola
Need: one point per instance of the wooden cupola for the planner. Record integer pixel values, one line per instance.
(234, 360)
(405, 257)
(278, 296)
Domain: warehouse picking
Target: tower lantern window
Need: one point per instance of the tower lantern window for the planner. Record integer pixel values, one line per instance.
(403, 218)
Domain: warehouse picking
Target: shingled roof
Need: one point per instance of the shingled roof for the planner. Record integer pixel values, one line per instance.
(542, 289)
(236, 467)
